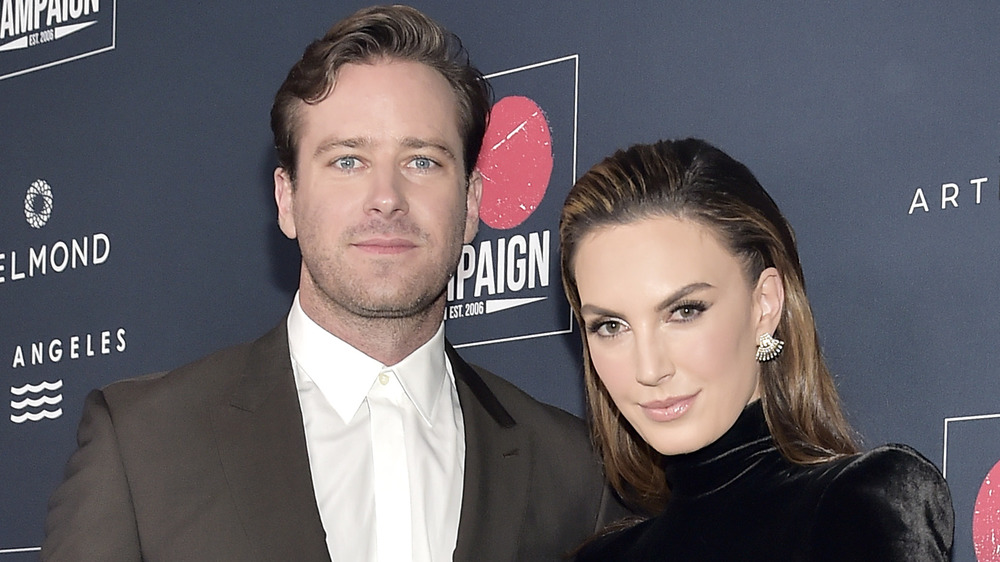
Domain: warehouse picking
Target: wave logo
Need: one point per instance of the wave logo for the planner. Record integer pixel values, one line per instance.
(33, 33)
(38, 204)
(36, 402)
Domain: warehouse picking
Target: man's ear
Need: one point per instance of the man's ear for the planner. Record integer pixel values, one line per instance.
(769, 300)
(284, 197)
(474, 195)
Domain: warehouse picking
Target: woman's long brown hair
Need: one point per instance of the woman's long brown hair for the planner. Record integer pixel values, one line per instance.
(692, 180)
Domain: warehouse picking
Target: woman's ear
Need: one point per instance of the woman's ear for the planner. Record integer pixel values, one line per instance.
(769, 300)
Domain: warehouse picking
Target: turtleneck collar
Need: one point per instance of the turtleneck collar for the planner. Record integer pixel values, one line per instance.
(710, 469)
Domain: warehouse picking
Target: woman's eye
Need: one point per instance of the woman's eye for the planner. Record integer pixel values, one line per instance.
(610, 328)
(607, 328)
(685, 312)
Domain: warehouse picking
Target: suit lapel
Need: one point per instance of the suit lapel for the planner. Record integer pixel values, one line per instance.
(263, 453)
(497, 471)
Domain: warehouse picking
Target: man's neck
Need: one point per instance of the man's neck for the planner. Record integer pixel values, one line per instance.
(387, 340)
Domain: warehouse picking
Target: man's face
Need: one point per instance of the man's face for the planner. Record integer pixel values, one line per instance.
(380, 205)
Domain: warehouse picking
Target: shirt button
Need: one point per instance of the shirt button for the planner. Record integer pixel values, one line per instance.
(383, 378)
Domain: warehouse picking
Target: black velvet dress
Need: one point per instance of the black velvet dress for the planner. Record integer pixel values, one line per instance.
(738, 499)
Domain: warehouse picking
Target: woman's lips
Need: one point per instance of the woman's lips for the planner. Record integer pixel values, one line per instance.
(669, 409)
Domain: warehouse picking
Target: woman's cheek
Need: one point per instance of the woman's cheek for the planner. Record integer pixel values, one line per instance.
(710, 351)
(611, 368)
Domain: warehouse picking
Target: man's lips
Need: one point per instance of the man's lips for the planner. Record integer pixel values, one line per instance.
(385, 245)
(668, 409)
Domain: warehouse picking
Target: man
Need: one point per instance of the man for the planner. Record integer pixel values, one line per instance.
(351, 431)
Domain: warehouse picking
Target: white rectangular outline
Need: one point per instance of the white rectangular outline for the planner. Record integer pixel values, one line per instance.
(944, 456)
(20, 550)
(114, 40)
(576, 112)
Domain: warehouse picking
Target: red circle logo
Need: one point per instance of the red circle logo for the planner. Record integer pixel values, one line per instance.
(516, 162)
(986, 518)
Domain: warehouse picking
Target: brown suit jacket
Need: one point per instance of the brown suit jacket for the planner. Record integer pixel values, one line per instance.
(209, 462)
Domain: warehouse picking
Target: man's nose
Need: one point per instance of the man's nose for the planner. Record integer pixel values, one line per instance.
(386, 192)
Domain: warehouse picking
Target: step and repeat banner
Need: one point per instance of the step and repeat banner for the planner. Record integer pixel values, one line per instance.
(138, 229)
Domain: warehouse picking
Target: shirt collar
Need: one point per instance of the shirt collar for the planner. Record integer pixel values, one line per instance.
(344, 374)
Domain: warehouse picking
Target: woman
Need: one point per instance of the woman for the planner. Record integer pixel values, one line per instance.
(710, 402)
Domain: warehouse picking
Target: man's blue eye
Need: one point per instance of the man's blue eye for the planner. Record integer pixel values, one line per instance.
(346, 162)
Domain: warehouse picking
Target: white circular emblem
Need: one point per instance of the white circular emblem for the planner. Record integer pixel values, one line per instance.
(38, 204)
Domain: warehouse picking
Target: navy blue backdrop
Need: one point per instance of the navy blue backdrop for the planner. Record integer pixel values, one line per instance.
(138, 232)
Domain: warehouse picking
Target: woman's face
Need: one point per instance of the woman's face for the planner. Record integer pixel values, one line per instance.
(672, 324)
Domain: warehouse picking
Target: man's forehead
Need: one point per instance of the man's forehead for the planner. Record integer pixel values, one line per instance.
(372, 91)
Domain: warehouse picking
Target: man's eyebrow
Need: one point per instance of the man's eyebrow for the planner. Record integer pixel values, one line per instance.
(333, 143)
(414, 143)
(418, 143)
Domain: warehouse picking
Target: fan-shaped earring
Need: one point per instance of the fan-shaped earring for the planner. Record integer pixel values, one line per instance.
(768, 347)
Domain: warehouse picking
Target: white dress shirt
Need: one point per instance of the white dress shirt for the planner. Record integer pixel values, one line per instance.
(354, 410)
